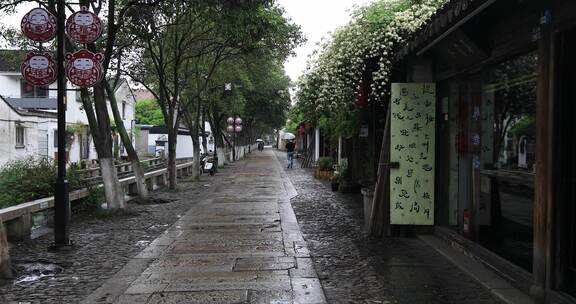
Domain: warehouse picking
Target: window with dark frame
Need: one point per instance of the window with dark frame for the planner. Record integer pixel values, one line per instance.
(85, 146)
(31, 91)
(19, 136)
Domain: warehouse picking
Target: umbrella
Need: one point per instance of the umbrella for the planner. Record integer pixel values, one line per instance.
(259, 140)
(288, 136)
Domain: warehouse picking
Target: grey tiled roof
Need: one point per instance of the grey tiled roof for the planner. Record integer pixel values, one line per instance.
(32, 103)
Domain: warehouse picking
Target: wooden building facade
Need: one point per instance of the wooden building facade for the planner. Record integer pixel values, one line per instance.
(505, 73)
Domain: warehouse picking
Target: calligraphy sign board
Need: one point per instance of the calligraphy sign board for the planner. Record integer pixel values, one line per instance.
(412, 144)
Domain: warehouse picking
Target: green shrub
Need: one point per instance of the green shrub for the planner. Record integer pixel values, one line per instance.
(325, 163)
(32, 178)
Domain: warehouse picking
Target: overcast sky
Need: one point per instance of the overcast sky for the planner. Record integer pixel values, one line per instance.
(317, 18)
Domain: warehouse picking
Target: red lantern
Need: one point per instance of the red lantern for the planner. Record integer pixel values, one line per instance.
(39, 25)
(39, 69)
(84, 68)
(84, 26)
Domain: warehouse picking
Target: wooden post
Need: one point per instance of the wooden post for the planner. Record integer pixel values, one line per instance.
(380, 215)
(5, 264)
(542, 185)
(317, 144)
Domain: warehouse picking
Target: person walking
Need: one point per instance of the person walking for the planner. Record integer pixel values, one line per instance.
(290, 147)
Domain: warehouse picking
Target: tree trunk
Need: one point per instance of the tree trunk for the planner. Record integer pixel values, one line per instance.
(5, 264)
(127, 141)
(196, 159)
(102, 135)
(219, 147)
(112, 189)
(191, 122)
(203, 128)
(172, 138)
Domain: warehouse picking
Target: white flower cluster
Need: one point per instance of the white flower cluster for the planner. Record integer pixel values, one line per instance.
(367, 44)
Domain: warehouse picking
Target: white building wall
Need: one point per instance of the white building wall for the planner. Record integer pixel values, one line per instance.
(10, 87)
(9, 119)
(184, 148)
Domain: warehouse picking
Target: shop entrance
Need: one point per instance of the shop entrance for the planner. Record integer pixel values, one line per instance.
(566, 164)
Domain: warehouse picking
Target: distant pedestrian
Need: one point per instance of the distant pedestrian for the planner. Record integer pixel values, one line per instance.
(290, 147)
(261, 146)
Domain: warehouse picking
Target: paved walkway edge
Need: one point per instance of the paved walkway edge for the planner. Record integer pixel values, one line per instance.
(500, 288)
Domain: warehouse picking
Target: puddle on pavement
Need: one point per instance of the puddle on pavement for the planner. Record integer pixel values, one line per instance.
(142, 244)
(28, 273)
(159, 226)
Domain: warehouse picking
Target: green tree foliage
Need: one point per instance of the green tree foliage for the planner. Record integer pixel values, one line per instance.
(148, 112)
(259, 95)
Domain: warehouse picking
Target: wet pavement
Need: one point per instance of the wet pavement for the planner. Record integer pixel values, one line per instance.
(240, 245)
(354, 268)
(254, 233)
(103, 245)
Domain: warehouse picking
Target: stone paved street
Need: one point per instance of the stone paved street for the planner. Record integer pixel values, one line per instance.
(103, 246)
(241, 245)
(354, 268)
(254, 233)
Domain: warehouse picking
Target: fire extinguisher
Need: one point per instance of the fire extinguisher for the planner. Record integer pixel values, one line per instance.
(466, 223)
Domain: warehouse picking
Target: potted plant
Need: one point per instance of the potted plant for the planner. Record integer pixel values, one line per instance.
(324, 169)
(368, 198)
(344, 183)
(335, 180)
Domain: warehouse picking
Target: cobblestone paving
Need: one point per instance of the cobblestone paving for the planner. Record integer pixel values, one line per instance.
(354, 268)
(241, 245)
(104, 246)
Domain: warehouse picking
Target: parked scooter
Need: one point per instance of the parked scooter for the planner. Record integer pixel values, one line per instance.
(207, 164)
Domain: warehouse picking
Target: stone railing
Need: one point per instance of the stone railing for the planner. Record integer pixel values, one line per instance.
(94, 175)
(18, 219)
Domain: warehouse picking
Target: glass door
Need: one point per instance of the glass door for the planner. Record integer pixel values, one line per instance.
(566, 165)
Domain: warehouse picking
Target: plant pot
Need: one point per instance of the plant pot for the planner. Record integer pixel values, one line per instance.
(345, 186)
(335, 186)
(368, 196)
(323, 174)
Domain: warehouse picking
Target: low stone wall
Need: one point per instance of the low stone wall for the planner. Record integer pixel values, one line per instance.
(18, 219)
(5, 265)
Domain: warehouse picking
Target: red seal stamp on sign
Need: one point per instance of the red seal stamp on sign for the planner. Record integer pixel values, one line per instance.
(84, 68)
(39, 69)
(39, 25)
(84, 26)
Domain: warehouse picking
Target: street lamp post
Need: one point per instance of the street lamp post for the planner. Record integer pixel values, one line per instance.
(61, 203)
(234, 126)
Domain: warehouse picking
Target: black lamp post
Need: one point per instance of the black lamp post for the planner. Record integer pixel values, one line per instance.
(61, 202)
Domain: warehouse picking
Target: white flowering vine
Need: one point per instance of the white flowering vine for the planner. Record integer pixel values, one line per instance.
(335, 73)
